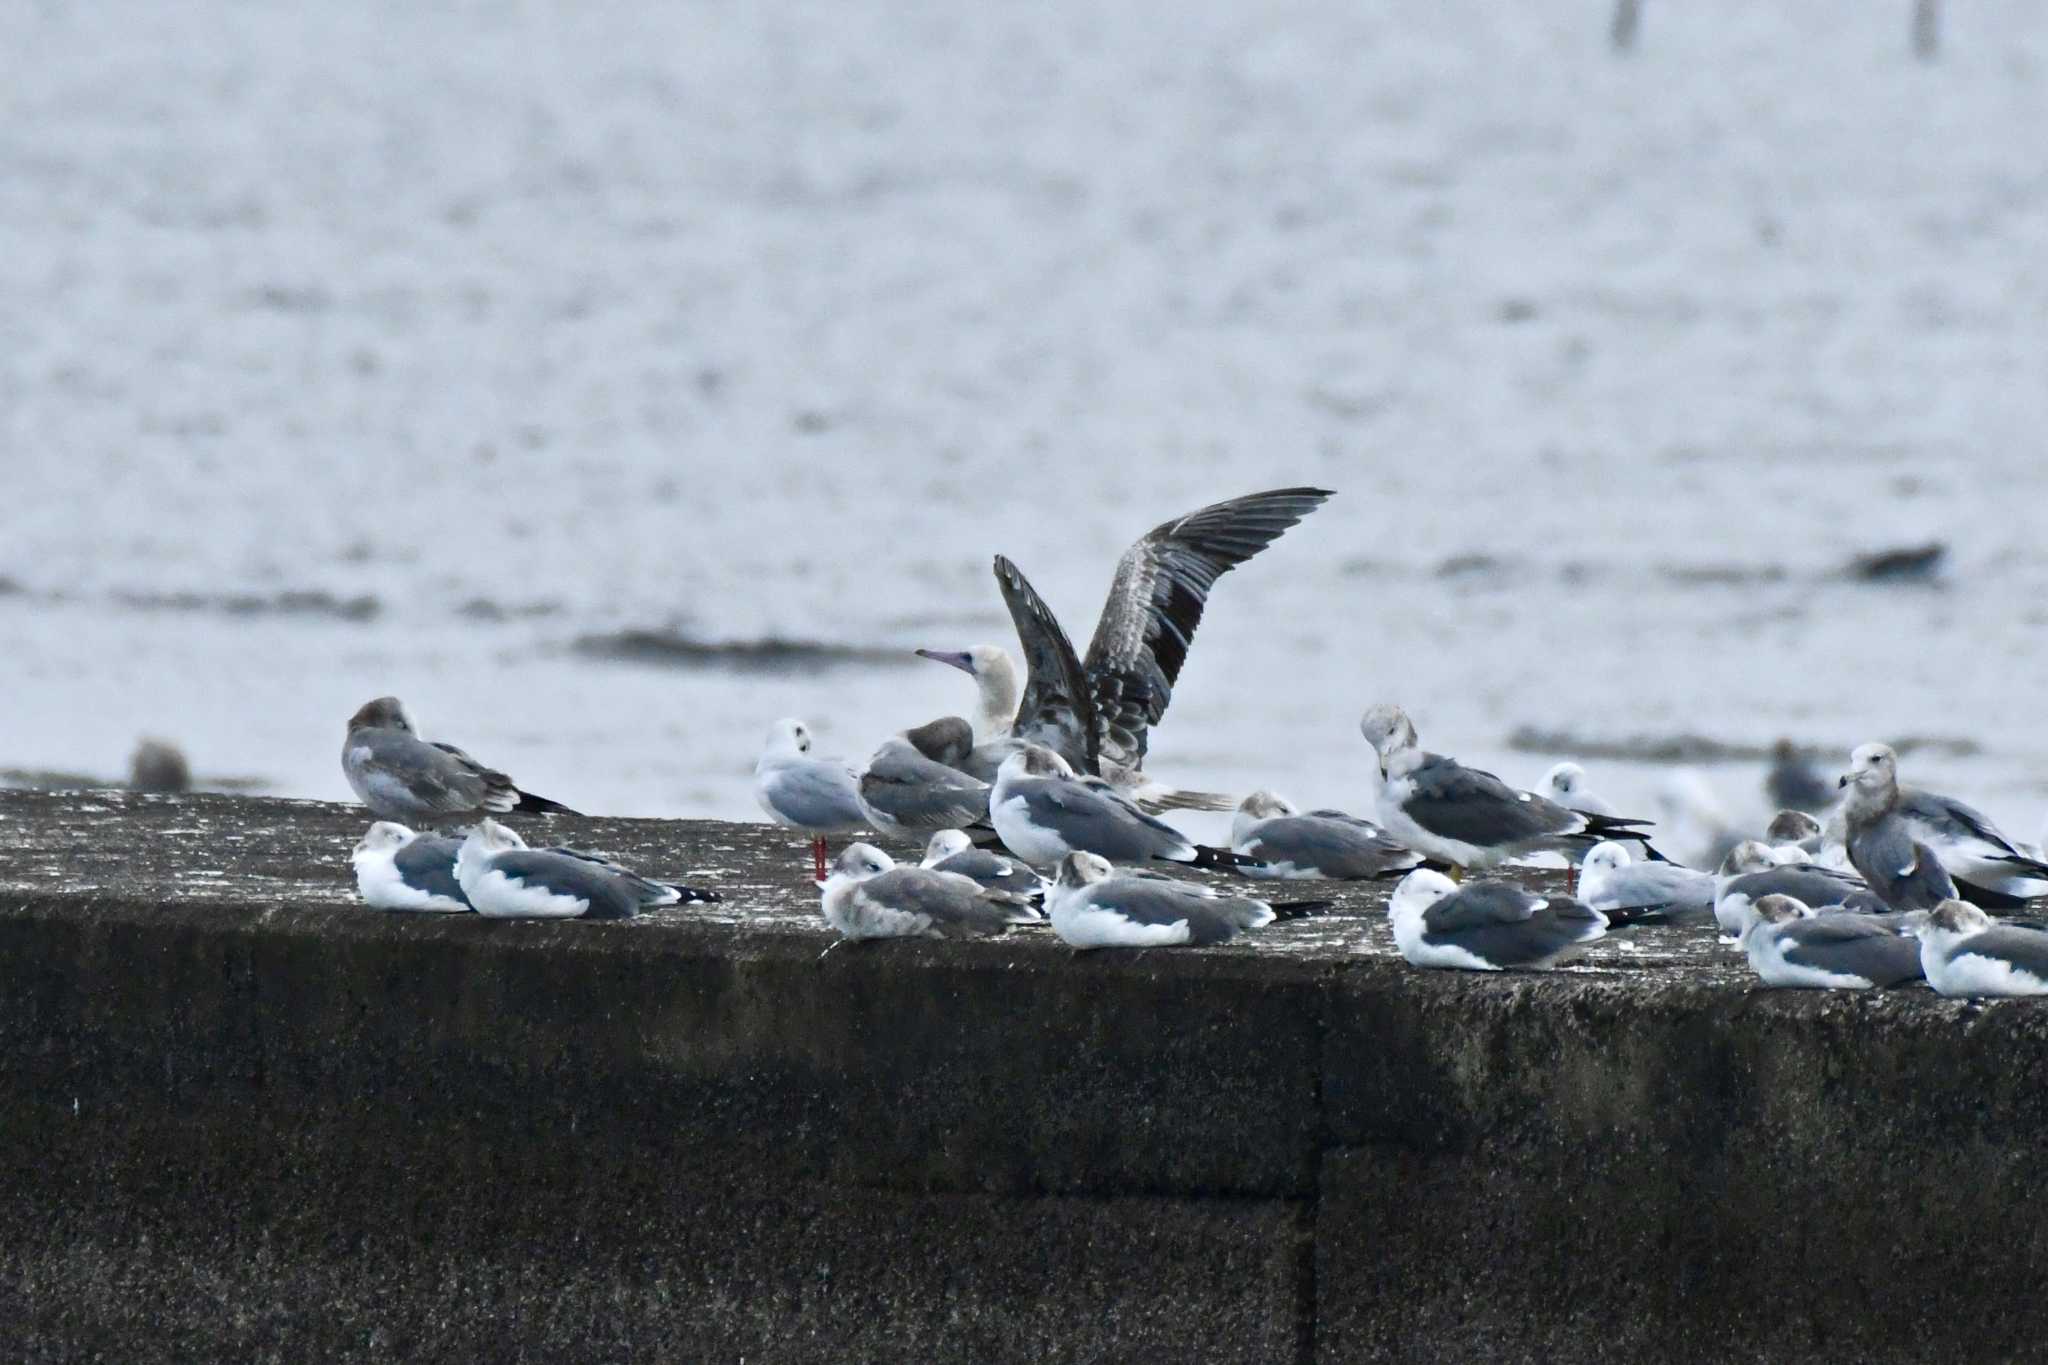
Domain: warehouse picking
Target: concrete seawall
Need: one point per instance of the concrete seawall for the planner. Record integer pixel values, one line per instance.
(242, 1118)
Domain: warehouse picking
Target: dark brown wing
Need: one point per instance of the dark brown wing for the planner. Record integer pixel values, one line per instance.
(1156, 600)
(1057, 709)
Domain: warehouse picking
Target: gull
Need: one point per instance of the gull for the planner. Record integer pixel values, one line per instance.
(406, 779)
(1463, 816)
(1321, 844)
(1485, 926)
(1794, 829)
(504, 879)
(398, 869)
(869, 895)
(1043, 810)
(951, 850)
(1565, 784)
(1609, 881)
(1794, 783)
(1750, 872)
(1963, 951)
(1790, 945)
(1093, 907)
(1884, 821)
(819, 796)
(904, 793)
(1097, 712)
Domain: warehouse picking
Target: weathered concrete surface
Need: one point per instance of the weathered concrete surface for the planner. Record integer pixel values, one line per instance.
(241, 1117)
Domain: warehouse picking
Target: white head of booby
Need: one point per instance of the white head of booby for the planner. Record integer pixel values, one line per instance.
(995, 679)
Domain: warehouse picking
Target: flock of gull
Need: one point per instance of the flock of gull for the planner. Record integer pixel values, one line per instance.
(1038, 811)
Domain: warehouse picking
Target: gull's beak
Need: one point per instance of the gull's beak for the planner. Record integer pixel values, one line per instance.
(959, 659)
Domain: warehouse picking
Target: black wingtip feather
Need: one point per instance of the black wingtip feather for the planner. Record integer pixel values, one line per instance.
(529, 804)
(1220, 859)
(694, 895)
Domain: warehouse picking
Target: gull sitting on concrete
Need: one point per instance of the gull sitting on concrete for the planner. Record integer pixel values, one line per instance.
(1965, 952)
(504, 879)
(398, 869)
(1611, 881)
(408, 780)
(801, 791)
(1463, 816)
(870, 895)
(1751, 871)
(1043, 810)
(1094, 907)
(1325, 844)
(1886, 822)
(1486, 926)
(1790, 945)
(951, 850)
(1097, 712)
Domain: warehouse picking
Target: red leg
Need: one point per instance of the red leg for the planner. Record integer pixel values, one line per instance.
(818, 856)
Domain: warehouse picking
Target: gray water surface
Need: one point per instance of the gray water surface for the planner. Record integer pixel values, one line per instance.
(397, 348)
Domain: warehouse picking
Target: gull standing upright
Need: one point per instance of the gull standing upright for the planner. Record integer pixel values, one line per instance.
(407, 780)
(819, 796)
(1043, 810)
(869, 895)
(1092, 907)
(1887, 822)
(1097, 713)
(1326, 844)
(1463, 816)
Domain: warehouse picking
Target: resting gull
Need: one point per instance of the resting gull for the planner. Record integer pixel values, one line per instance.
(1043, 811)
(869, 895)
(504, 879)
(1885, 819)
(1751, 871)
(1097, 712)
(1485, 926)
(1325, 844)
(906, 794)
(1963, 951)
(1093, 907)
(1463, 816)
(819, 796)
(1790, 945)
(398, 869)
(406, 779)
(1610, 881)
(951, 850)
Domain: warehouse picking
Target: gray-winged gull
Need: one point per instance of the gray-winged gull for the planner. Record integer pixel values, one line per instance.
(398, 869)
(869, 895)
(1794, 783)
(1326, 844)
(801, 791)
(1750, 872)
(406, 779)
(504, 879)
(1789, 945)
(952, 850)
(1464, 816)
(1485, 926)
(1884, 819)
(908, 795)
(1093, 907)
(1097, 712)
(1963, 951)
(1043, 811)
(1611, 881)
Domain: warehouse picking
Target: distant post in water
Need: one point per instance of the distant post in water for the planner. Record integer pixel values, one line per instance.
(1628, 16)
(1926, 29)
